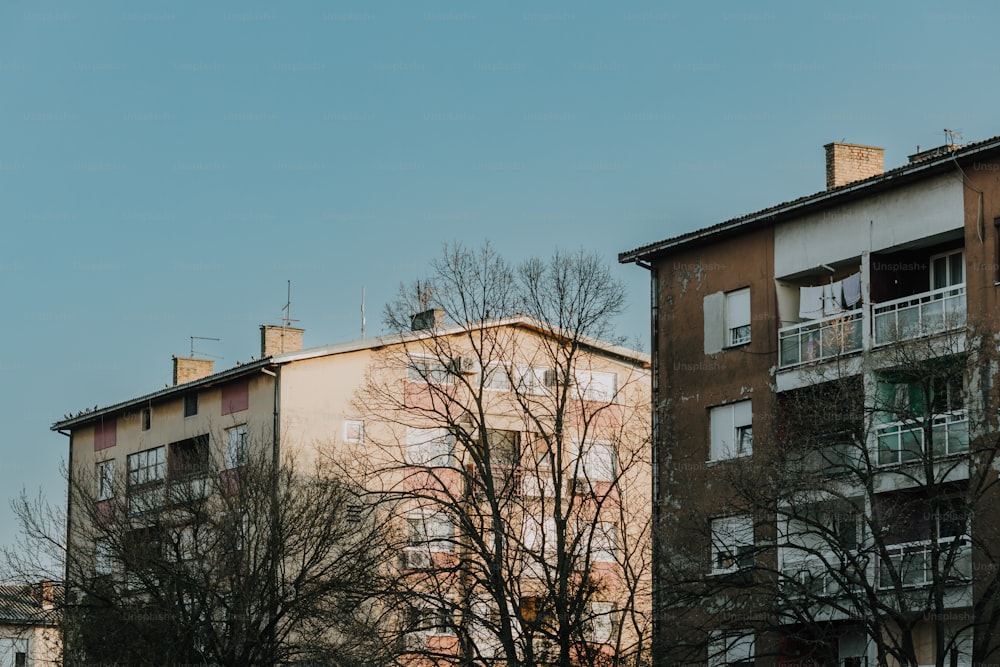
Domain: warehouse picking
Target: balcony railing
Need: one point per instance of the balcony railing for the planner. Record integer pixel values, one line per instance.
(904, 442)
(819, 340)
(912, 563)
(919, 315)
(812, 577)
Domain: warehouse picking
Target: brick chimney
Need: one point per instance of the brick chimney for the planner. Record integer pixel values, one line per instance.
(846, 163)
(189, 370)
(275, 339)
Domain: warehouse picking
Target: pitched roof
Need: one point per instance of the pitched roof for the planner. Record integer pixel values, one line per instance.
(916, 170)
(601, 347)
(22, 604)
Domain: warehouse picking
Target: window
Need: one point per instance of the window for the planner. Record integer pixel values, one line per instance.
(731, 649)
(105, 434)
(190, 404)
(540, 535)
(732, 544)
(146, 418)
(146, 467)
(533, 379)
(947, 270)
(429, 370)
(16, 649)
(235, 397)
(497, 377)
(102, 557)
(601, 624)
(430, 532)
(145, 472)
(190, 457)
(731, 431)
(594, 461)
(431, 620)
(431, 447)
(604, 542)
(236, 447)
(354, 431)
(595, 386)
(737, 317)
(106, 480)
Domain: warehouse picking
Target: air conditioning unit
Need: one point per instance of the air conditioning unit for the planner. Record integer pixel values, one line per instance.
(416, 559)
(464, 365)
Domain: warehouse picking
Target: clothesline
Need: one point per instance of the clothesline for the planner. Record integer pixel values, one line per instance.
(829, 299)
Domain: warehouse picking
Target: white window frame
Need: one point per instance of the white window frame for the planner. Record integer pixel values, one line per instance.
(949, 279)
(354, 431)
(737, 317)
(428, 369)
(594, 460)
(732, 537)
(433, 532)
(597, 385)
(540, 535)
(532, 380)
(600, 627)
(106, 480)
(430, 447)
(731, 648)
(731, 430)
(236, 447)
(604, 542)
(497, 377)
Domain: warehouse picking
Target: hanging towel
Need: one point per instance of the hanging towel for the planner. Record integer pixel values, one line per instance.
(852, 290)
(832, 295)
(810, 303)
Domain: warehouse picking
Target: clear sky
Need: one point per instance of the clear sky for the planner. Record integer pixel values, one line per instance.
(165, 168)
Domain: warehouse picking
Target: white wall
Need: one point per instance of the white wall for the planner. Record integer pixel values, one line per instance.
(875, 223)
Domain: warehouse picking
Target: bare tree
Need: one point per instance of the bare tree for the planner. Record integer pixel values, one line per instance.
(259, 564)
(514, 446)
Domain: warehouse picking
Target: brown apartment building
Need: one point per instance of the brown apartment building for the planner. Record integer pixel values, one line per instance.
(825, 430)
(413, 416)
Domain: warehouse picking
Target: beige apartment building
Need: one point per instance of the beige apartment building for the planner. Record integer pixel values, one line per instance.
(824, 383)
(403, 415)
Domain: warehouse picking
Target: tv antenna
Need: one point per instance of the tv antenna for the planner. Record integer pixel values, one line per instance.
(286, 310)
(204, 354)
(362, 312)
(953, 137)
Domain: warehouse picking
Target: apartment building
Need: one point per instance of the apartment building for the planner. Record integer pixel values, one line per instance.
(825, 420)
(436, 424)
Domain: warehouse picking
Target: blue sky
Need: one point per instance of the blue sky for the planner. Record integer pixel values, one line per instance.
(166, 168)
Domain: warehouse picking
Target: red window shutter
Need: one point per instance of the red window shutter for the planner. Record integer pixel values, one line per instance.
(105, 434)
(235, 397)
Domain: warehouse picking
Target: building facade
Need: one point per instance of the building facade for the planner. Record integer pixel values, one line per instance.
(436, 427)
(825, 420)
(29, 634)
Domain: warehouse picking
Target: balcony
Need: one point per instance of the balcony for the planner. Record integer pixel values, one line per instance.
(905, 442)
(812, 578)
(912, 563)
(919, 315)
(820, 340)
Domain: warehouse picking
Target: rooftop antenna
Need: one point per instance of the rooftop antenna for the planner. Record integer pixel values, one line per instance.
(953, 137)
(362, 312)
(286, 310)
(204, 354)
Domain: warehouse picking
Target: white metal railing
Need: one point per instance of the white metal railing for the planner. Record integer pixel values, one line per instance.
(904, 441)
(819, 340)
(911, 562)
(812, 577)
(918, 315)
